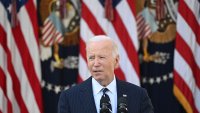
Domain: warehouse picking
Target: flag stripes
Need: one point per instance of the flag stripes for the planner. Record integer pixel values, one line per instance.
(32, 12)
(187, 54)
(9, 84)
(27, 63)
(98, 30)
(5, 61)
(20, 62)
(187, 95)
(192, 22)
(126, 42)
(6, 106)
(143, 28)
(191, 42)
(50, 34)
(185, 51)
(121, 29)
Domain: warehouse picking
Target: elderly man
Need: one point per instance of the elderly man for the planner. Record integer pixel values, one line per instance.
(101, 92)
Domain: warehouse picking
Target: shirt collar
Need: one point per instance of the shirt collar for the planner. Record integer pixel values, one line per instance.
(97, 87)
(112, 86)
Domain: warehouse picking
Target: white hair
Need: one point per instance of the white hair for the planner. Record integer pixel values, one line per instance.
(98, 38)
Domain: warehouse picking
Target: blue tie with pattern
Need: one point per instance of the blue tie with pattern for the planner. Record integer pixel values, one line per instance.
(106, 97)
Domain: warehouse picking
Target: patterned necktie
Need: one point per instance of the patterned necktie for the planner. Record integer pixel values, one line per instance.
(105, 96)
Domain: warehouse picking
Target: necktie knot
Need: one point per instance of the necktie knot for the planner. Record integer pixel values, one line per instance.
(105, 90)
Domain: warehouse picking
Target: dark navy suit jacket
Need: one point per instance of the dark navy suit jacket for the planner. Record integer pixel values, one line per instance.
(79, 99)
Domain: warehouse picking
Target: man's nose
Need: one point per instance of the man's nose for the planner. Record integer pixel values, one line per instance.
(96, 62)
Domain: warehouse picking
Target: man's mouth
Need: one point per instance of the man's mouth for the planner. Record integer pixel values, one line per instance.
(96, 71)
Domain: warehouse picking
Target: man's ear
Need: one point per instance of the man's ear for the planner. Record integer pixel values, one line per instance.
(117, 61)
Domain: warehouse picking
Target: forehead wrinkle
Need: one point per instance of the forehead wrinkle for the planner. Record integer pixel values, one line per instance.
(104, 43)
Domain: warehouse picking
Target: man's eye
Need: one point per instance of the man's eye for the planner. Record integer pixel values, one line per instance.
(91, 58)
(102, 57)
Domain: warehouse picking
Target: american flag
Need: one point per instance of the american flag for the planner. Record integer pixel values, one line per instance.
(187, 56)
(122, 29)
(20, 73)
(52, 30)
(143, 28)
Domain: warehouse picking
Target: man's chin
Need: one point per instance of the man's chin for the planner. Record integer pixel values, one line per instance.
(97, 77)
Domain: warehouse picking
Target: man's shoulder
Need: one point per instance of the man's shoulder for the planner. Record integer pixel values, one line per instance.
(130, 86)
(77, 88)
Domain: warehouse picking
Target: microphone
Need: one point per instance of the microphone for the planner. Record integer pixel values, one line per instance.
(122, 105)
(104, 102)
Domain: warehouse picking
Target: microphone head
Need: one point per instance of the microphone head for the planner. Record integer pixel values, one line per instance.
(122, 101)
(122, 105)
(104, 102)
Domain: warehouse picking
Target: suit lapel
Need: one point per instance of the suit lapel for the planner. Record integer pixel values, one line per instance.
(121, 89)
(87, 97)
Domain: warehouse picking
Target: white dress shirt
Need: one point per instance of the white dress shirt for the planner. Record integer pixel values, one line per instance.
(112, 93)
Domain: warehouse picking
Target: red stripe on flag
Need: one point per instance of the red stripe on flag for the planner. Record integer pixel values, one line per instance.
(32, 12)
(187, 54)
(132, 6)
(82, 49)
(180, 83)
(3, 86)
(28, 65)
(120, 74)
(79, 79)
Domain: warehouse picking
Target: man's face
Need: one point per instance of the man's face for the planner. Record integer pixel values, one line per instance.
(101, 61)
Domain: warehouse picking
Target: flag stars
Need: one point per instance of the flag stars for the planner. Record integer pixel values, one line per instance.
(9, 8)
(43, 83)
(144, 80)
(71, 27)
(73, 23)
(151, 81)
(66, 88)
(157, 22)
(55, 88)
(170, 75)
(158, 79)
(162, 25)
(77, 17)
(165, 77)
(49, 87)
